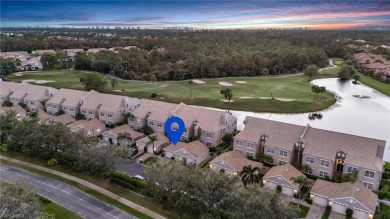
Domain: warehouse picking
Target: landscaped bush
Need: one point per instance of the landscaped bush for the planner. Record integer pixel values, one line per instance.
(386, 175)
(383, 182)
(349, 213)
(4, 148)
(308, 200)
(383, 191)
(137, 183)
(52, 162)
(154, 95)
(278, 189)
(388, 195)
(7, 103)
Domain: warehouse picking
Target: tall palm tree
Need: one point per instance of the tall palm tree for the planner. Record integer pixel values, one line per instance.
(152, 139)
(301, 181)
(227, 93)
(190, 83)
(125, 136)
(250, 175)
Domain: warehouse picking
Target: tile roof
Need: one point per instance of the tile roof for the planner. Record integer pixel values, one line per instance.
(88, 124)
(6, 87)
(361, 151)
(160, 111)
(161, 139)
(345, 190)
(13, 53)
(96, 50)
(287, 171)
(43, 116)
(16, 108)
(40, 52)
(64, 119)
(195, 148)
(68, 97)
(126, 129)
(107, 102)
(281, 135)
(236, 160)
(32, 91)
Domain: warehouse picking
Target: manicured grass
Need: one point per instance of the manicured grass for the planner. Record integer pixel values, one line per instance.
(295, 87)
(104, 183)
(331, 72)
(59, 211)
(303, 210)
(387, 165)
(150, 160)
(326, 214)
(377, 85)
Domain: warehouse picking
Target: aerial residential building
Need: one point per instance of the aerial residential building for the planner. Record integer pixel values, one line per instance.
(161, 142)
(6, 89)
(191, 153)
(67, 100)
(31, 64)
(70, 53)
(96, 50)
(91, 127)
(341, 196)
(20, 112)
(21, 55)
(207, 124)
(107, 107)
(232, 163)
(325, 153)
(32, 95)
(40, 52)
(281, 175)
(64, 119)
(129, 136)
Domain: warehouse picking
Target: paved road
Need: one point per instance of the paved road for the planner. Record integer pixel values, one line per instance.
(65, 195)
(131, 168)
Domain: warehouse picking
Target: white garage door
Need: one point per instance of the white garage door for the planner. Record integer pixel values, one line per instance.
(168, 154)
(105, 138)
(338, 208)
(287, 191)
(270, 185)
(114, 141)
(359, 214)
(320, 201)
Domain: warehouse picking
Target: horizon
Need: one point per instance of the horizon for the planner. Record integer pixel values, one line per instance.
(313, 15)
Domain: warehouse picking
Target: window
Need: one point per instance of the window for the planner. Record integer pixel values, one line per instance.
(249, 154)
(208, 144)
(91, 112)
(325, 163)
(251, 145)
(351, 169)
(309, 159)
(238, 142)
(151, 123)
(71, 109)
(209, 135)
(323, 174)
(369, 174)
(309, 170)
(159, 124)
(185, 130)
(48, 105)
(110, 115)
(282, 162)
(270, 150)
(367, 185)
(102, 114)
(32, 102)
(54, 106)
(283, 153)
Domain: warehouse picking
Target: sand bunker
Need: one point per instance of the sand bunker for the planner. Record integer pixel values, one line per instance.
(118, 91)
(196, 81)
(227, 101)
(18, 74)
(265, 98)
(43, 81)
(246, 97)
(226, 84)
(241, 82)
(163, 85)
(28, 81)
(285, 99)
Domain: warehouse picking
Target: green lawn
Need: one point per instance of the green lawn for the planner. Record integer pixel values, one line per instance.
(59, 211)
(104, 183)
(326, 214)
(377, 85)
(295, 87)
(303, 210)
(150, 160)
(387, 165)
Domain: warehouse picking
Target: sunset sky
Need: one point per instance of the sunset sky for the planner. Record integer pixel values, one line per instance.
(312, 14)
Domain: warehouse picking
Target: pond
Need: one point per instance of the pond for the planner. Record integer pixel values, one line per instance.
(359, 110)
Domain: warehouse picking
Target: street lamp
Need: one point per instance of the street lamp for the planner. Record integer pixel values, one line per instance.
(299, 145)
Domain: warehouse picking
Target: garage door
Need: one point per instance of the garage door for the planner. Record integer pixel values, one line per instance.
(339, 208)
(287, 191)
(105, 138)
(320, 201)
(270, 185)
(359, 214)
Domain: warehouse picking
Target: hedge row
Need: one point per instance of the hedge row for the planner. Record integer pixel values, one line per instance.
(129, 186)
(137, 183)
(383, 191)
(386, 175)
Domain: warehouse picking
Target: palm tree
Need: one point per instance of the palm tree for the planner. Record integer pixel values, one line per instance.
(125, 136)
(227, 93)
(315, 89)
(250, 175)
(114, 82)
(152, 139)
(190, 83)
(301, 181)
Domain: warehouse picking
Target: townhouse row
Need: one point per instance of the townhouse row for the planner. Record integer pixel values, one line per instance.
(377, 63)
(324, 153)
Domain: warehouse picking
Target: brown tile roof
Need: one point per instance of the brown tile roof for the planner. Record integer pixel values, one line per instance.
(88, 124)
(361, 151)
(40, 52)
(377, 65)
(6, 87)
(16, 108)
(33, 91)
(68, 97)
(126, 129)
(107, 102)
(195, 148)
(236, 160)
(96, 50)
(64, 119)
(281, 135)
(160, 111)
(344, 190)
(287, 171)
(13, 53)
(161, 139)
(43, 116)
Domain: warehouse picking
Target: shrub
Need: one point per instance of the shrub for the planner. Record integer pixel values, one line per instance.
(60, 112)
(136, 183)
(349, 213)
(154, 95)
(308, 200)
(383, 191)
(79, 116)
(388, 195)
(7, 103)
(278, 189)
(52, 162)
(4, 148)
(386, 175)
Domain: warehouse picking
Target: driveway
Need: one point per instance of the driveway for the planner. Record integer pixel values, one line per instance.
(130, 167)
(67, 196)
(315, 212)
(334, 215)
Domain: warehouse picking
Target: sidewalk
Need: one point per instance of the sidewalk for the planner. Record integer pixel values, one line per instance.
(89, 185)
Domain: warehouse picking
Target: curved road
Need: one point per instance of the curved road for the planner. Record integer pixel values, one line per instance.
(68, 196)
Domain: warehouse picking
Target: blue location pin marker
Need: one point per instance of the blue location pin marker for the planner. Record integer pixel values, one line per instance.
(174, 135)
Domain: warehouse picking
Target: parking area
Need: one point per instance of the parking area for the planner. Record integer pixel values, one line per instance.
(130, 167)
